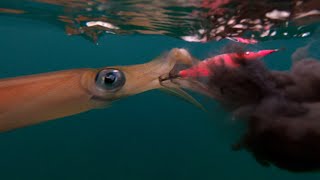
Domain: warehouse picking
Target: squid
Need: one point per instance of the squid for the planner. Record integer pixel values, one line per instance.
(33, 99)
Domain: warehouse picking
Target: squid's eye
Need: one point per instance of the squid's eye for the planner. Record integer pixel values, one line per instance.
(110, 79)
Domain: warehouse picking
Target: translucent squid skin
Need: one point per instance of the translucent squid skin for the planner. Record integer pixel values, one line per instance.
(202, 69)
(32, 99)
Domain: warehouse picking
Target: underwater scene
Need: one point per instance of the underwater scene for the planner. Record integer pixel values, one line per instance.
(163, 89)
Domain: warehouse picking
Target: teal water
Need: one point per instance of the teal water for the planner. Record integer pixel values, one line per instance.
(149, 136)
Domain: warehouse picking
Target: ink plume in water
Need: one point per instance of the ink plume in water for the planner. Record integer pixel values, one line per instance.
(281, 108)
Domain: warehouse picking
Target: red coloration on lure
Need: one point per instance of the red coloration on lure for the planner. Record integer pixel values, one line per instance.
(229, 60)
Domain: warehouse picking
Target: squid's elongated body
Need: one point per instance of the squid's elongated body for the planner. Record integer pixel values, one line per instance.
(32, 99)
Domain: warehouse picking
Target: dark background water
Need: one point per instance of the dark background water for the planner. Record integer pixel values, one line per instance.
(148, 136)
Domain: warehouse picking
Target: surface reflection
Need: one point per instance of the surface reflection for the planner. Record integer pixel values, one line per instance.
(191, 20)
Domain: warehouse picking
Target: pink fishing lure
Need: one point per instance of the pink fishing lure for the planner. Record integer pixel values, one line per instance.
(203, 69)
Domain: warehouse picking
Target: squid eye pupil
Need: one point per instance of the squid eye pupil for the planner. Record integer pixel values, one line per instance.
(110, 78)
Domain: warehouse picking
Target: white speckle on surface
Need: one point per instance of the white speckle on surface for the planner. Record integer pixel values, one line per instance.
(220, 29)
(244, 20)
(101, 23)
(273, 33)
(110, 32)
(218, 38)
(220, 19)
(201, 31)
(276, 14)
(194, 38)
(285, 33)
(305, 34)
(231, 21)
(239, 26)
(265, 33)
